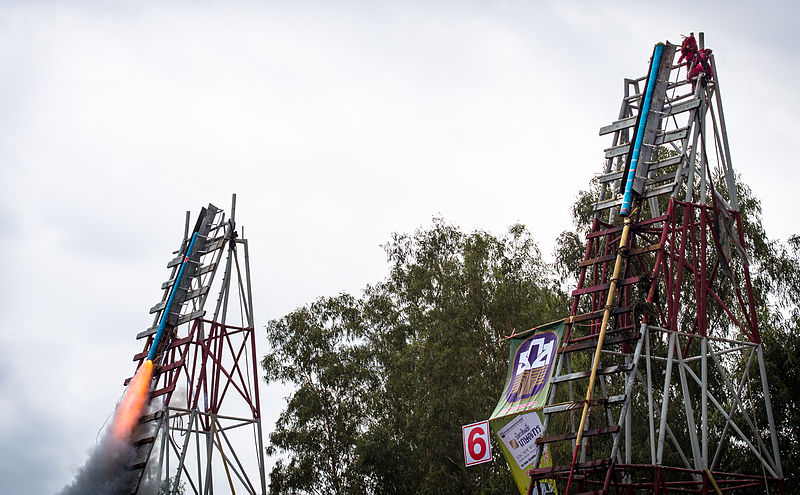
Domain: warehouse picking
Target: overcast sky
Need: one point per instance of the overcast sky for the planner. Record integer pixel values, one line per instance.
(336, 123)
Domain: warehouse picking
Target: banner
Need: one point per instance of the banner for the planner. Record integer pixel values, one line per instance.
(517, 419)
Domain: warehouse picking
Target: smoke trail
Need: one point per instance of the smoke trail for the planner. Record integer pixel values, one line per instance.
(107, 471)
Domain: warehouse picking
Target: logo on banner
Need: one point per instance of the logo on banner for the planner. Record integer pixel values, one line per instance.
(532, 365)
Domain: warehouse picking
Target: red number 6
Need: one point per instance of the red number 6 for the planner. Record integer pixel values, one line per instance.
(476, 446)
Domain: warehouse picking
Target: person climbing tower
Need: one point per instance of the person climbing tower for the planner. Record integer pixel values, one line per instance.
(700, 65)
(688, 49)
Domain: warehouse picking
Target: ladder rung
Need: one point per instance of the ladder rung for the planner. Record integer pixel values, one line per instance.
(204, 269)
(544, 472)
(162, 391)
(151, 417)
(609, 341)
(651, 166)
(150, 331)
(599, 313)
(618, 368)
(144, 441)
(611, 257)
(628, 122)
(196, 293)
(617, 200)
(168, 367)
(189, 317)
(175, 261)
(606, 430)
(214, 244)
(634, 227)
(572, 406)
(604, 287)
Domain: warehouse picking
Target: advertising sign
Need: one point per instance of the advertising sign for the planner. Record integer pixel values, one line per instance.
(517, 418)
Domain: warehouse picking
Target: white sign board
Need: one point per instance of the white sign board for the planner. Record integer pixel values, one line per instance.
(519, 435)
(477, 448)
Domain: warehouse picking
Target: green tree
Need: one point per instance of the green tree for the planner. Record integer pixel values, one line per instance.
(385, 381)
(167, 484)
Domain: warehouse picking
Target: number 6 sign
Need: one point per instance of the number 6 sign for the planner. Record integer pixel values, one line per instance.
(477, 448)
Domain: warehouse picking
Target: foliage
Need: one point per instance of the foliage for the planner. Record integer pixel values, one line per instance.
(385, 382)
(168, 483)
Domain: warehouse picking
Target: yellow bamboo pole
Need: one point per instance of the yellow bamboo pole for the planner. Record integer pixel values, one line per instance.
(713, 481)
(623, 242)
(221, 453)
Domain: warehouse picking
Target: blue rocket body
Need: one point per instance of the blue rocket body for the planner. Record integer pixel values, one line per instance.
(627, 199)
(163, 323)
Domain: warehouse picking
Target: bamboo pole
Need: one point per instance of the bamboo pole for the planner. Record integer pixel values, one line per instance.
(621, 253)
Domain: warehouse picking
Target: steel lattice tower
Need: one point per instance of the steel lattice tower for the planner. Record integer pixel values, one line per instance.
(203, 427)
(680, 381)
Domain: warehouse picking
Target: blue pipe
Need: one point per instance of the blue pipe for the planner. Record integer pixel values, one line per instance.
(637, 144)
(163, 323)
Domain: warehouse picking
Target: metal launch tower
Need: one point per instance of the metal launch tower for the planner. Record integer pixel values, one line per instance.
(203, 426)
(662, 354)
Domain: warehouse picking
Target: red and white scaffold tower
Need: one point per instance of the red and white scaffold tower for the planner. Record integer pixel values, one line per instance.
(203, 427)
(661, 379)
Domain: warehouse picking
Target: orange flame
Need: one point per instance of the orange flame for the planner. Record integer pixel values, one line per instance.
(130, 408)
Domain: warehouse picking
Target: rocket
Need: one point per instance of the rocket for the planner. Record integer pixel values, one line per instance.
(627, 199)
(181, 272)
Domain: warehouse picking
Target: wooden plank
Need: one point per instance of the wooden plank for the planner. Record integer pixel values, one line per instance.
(196, 293)
(204, 269)
(683, 106)
(599, 314)
(162, 391)
(661, 137)
(673, 160)
(151, 417)
(144, 441)
(610, 177)
(175, 261)
(150, 331)
(656, 165)
(604, 287)
(214, 244)
(168, 367)
(625, 123)
(629, 122)
(572, 406)
(591, 344)
(191, 316)
(617, 368)
(178, 342)
(649, 193)
(635, 226)
(565, 469)
(568, 436)
(617, 150)
(673, 135)
(158, 307)
(611, 257)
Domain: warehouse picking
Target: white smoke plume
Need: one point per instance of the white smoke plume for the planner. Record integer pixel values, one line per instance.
(106, 472)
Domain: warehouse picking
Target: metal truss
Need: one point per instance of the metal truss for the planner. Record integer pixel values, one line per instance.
(681, 383)
(203, 431)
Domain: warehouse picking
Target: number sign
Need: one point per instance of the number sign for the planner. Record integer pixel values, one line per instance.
(477, 448)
